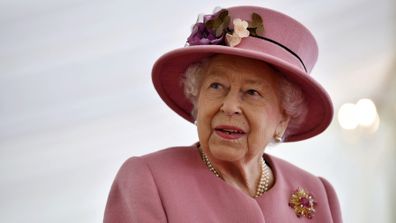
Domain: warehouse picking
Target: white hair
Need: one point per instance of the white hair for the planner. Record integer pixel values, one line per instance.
(192, 81)
(292, 97)
(292, 102)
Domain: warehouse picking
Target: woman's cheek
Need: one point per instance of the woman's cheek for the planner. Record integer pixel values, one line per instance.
(203, 125)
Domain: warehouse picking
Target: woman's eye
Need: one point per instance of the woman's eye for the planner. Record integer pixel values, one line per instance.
(253, 92)
(215, 85)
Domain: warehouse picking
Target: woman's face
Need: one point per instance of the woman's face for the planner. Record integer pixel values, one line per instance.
(238, 108)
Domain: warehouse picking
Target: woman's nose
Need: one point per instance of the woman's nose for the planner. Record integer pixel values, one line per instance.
(231, 104)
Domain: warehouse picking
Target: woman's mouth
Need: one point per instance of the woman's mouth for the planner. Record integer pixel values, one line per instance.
(229, 132)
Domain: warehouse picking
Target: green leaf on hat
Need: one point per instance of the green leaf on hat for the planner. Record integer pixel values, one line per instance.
(219, 24)
(256, 26)
(223, 26)
(256, 18)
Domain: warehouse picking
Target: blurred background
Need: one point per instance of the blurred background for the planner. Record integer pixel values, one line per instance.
(76, 100)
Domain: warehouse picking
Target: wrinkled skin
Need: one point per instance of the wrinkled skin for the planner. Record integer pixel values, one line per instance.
(238, 114)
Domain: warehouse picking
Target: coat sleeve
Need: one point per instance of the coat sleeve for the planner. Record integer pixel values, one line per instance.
(134, 195)
(333, 201)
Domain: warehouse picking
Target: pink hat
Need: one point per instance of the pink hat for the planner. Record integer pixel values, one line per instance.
(274, 38)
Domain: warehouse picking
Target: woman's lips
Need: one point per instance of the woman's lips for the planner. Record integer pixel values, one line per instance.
(229, 132)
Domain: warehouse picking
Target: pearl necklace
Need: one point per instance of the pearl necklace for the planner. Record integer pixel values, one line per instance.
(263, 184)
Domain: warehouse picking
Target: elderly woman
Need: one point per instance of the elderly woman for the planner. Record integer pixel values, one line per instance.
(243, 79)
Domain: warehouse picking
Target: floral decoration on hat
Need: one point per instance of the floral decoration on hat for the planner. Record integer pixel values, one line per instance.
(214, 30)
(303, 203)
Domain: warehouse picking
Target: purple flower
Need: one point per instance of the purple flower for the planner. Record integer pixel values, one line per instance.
(201, 35)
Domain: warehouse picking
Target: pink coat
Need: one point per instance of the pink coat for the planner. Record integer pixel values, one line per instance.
(174, 185)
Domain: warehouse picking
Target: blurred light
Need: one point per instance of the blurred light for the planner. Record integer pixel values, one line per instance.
(374, 127)
(347, 116)
(366, 112)
(363, 113)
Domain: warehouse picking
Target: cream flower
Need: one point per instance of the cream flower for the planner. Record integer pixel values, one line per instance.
(240, 31)
(233, 39)
(240, 28)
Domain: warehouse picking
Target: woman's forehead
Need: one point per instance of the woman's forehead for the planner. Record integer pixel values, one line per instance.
(248, 70)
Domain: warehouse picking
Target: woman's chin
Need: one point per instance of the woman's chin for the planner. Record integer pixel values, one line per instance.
(226, 152)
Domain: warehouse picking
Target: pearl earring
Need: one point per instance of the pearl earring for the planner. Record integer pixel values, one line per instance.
(278, 138)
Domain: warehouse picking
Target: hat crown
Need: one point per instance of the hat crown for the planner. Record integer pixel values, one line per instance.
(282, 30)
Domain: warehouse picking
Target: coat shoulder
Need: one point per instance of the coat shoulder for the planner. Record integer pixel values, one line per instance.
(171, 161)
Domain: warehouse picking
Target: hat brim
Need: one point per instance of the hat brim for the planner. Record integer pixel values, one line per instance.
(169, 69)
